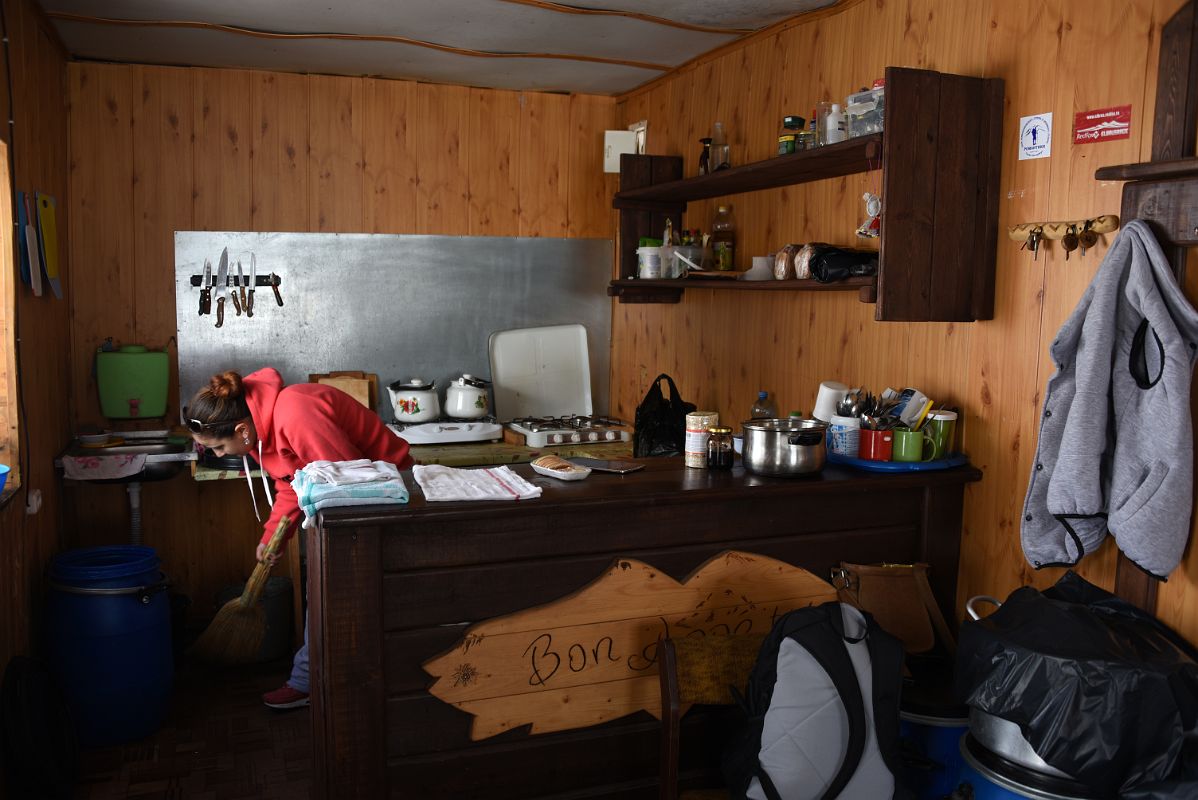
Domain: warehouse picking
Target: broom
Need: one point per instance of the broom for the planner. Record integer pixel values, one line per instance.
(235, 635)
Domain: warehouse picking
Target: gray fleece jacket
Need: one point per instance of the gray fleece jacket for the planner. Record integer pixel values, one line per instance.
(1116, 448)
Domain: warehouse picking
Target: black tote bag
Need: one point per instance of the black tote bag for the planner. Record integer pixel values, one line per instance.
(660, 425)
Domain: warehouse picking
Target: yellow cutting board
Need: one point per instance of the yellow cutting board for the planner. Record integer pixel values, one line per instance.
(48, 233)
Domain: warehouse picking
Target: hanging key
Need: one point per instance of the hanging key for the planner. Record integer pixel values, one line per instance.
(1069, 241)
(1088, 238)
(1033, 242)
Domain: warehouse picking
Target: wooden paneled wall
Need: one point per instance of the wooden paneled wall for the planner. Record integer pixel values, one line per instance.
(39, 111)
(1057, 56)
(155, 150)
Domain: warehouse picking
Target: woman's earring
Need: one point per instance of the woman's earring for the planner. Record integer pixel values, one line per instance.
(247, 441)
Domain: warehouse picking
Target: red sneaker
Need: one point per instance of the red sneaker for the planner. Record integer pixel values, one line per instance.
(285, 697)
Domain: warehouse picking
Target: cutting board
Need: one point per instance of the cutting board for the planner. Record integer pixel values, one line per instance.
(539, 372)
(47, 232)
(361, 386)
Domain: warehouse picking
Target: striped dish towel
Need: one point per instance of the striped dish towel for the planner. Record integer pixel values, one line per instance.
(314, 494)
(491, 483)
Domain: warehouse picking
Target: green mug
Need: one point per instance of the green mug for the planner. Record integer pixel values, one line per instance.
(912, 445)
(942, 427)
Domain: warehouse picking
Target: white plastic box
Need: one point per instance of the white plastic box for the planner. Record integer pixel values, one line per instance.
(865, 111)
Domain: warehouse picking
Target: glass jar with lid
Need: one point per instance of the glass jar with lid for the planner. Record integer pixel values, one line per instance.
(719, 447)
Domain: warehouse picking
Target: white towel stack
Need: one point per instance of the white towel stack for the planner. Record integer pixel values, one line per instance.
(492, 483)
(329, 484)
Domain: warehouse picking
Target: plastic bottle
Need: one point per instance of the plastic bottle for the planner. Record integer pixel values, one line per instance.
(835, 123)
(719, 158)
(723, 239)
(763, 408)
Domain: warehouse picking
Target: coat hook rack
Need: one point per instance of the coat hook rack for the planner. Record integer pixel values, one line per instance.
(1055, 230)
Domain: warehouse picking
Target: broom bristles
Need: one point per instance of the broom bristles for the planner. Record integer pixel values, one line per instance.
(235, 634)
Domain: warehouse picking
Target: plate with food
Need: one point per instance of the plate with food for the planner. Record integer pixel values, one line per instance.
(560, 468)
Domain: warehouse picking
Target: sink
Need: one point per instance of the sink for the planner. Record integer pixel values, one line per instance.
(165, 458)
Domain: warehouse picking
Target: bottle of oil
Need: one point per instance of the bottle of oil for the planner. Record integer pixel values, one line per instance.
(723, 239)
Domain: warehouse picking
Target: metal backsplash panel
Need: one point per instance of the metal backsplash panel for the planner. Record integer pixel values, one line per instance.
(397, 306)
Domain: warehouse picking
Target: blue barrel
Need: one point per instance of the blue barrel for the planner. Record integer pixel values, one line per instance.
(108, 623)
(989, 776)
(936, 736)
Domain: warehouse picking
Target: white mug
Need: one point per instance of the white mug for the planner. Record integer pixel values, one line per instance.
(830, 393)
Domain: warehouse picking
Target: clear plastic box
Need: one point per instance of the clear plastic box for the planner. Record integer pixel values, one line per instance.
(864, 111)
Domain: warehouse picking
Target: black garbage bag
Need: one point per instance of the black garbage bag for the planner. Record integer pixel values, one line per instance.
(660, 425)
(1100, 689)
(830, 264)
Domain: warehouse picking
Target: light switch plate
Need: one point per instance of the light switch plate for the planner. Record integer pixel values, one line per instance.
(615, 143)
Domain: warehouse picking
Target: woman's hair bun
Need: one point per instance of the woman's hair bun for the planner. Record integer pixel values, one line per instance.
(226, 386)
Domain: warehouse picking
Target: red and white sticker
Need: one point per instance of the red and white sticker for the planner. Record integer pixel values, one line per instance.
(1102, 125)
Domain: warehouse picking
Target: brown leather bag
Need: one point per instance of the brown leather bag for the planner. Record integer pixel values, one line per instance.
(899, 597)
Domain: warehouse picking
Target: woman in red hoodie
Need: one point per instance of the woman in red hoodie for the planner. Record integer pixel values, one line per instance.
(285, 429)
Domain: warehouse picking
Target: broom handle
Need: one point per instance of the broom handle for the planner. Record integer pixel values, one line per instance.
(252, 586)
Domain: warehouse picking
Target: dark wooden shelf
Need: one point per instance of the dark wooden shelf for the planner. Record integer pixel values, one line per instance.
(632, 290)
(830, 161)
(1149, 170)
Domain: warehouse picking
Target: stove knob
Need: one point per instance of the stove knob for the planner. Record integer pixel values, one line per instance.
(574, 437)
(593, 436)
(611, 436)
(556, 438)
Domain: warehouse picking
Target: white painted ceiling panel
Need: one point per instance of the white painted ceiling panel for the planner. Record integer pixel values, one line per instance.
(187, 46)
(479, 25)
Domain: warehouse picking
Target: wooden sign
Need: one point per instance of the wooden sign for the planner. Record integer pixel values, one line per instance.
(591, 657)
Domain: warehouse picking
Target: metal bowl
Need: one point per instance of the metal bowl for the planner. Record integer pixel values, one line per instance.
(1004, 738)
(784, 447)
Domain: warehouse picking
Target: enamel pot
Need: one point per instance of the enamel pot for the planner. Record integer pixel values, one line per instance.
(414, 400)
(466, 398)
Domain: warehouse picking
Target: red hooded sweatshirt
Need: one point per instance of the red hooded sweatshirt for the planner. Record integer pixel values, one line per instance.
(310, 422)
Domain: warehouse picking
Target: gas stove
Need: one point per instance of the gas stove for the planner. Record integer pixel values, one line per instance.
(448, 431)
(572, 429)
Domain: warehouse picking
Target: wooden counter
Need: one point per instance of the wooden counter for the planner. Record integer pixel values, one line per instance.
(391, 588)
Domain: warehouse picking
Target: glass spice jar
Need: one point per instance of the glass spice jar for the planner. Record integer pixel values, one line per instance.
(719, 447)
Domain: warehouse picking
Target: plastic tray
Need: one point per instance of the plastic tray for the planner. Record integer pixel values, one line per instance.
(899, 466)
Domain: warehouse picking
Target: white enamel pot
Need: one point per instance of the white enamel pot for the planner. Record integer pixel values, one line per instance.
(466, 398)
(414, 400)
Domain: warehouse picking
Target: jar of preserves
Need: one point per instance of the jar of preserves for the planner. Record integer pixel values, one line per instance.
(719, 447)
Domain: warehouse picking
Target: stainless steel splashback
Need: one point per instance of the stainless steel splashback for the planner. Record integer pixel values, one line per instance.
(398, 306)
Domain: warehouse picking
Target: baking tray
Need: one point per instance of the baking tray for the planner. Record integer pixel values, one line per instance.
(899, 466)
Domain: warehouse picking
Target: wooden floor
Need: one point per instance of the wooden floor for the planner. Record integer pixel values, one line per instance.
(219, 741)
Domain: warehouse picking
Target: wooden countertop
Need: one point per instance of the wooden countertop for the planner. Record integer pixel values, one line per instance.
(662, 478)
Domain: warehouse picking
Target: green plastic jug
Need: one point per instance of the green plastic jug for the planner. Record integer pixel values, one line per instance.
(132, 382)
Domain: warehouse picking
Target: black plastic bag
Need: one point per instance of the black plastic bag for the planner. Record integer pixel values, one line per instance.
(830, 264)
(1100, 689)
(660, 425)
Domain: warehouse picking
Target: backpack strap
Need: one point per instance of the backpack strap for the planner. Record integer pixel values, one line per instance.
(886, 664)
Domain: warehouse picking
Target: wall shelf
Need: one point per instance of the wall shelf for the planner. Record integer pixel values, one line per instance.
(633, 290)
(940, 159)
(832, 161)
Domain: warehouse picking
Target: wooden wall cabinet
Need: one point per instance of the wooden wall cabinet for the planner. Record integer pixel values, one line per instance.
(941, 159)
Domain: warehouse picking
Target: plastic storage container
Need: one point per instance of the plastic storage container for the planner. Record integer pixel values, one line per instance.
(132, 382)
(680, 255)
(723, 239)
(648, 262)
(108, 621)
(865, 111)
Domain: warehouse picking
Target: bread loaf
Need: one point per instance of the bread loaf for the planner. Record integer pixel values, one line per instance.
(557, 464)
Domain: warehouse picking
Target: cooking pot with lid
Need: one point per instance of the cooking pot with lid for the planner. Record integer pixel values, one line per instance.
(784, 447)
(415, 400)
(466, 398)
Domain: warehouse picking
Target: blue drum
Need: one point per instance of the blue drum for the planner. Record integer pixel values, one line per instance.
(988, 776)
(109, 641)
(936, 736)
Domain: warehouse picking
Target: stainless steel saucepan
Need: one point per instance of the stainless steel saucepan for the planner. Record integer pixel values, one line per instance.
(784, 447)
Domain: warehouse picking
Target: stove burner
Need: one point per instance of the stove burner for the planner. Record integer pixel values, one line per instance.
(566, 423)
(399, 426)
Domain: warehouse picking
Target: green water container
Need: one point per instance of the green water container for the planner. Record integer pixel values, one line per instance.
(132, 382)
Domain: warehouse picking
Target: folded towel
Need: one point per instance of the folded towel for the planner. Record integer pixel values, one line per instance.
(492, 483)
(100, 468)
(315, 495)
(363, 470)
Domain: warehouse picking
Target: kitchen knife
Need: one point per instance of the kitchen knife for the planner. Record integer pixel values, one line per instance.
(241, 284)
(206, 289)
(274, 284)
(237, 288)
(249, 298)
(222, 281)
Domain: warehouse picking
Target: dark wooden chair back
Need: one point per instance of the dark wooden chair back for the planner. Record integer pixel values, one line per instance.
(697, 670)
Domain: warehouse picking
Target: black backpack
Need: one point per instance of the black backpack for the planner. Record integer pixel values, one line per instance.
(819, 630)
